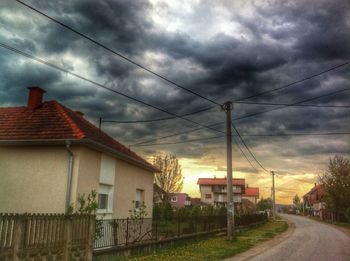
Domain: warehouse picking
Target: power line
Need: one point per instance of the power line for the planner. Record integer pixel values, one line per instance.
(292, 104)
(296, 134)
(245, 145)
(245, 135)
(245, 156)
(293, 83)
(101, 85)
(250, 115)
(175, 134)
(159, 119)
(209, 108)
(295, 105)
(181, 142)
(119, 54)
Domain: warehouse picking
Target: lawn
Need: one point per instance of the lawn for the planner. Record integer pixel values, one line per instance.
(215, 248)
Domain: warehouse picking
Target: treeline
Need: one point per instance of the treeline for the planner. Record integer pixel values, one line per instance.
(336, 182)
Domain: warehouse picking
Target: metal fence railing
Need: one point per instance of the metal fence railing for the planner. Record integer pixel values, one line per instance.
(122, 232)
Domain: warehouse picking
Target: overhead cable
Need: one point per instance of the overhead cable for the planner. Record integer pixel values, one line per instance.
(101, 85)
(119, 54)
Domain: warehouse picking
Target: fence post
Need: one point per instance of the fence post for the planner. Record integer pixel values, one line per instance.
(91, 237)
(156, 228)
(127, 231)
(67, 237)
(178, 226)
(195, 224)
(17, 236)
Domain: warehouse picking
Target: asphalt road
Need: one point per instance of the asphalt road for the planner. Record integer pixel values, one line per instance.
(311, 241)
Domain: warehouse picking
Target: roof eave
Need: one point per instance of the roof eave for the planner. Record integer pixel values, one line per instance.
(120, 155)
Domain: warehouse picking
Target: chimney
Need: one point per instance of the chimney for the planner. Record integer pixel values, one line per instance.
(35, 97)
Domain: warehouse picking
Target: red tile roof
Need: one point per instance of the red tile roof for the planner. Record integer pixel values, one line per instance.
(251, 192)
(220, 181)
(52, 121)
(316, 194)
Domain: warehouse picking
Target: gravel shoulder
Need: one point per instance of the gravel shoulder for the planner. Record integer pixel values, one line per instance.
(265, 245)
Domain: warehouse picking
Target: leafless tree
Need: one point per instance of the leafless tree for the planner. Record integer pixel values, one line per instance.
(170, 179)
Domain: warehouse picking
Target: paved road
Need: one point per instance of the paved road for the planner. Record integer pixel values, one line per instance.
(311, 241)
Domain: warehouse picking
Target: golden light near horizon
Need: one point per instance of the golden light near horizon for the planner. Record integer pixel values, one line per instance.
(209, 166)
(286, 186)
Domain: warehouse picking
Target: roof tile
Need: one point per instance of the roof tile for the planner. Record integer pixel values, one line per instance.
(53, 121)
(220, 181)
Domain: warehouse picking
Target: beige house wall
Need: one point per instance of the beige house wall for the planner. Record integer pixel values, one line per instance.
(33, 179)
(206, 190)
(252, 199)
(87, 171)
(128, 179)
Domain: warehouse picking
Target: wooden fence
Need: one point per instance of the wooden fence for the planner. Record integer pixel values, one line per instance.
(46, 237)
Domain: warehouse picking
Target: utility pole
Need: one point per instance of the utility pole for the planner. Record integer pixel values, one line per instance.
(100, 123)
(273, 195)
(227, 107)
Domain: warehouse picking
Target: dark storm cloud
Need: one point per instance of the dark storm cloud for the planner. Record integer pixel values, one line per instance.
(284, 41)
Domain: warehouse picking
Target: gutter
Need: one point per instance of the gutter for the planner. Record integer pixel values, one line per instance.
(70, 175)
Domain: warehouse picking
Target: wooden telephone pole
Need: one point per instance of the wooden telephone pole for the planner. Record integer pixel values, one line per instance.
(273, 195)
(227, 107)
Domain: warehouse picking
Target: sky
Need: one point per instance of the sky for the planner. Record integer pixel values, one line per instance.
(223, 50)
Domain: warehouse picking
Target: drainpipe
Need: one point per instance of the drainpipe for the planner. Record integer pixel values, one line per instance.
(70, 174)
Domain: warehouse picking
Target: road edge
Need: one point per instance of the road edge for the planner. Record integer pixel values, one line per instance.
(343, 229)
(264, 246)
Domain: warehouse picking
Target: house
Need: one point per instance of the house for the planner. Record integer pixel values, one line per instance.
(49, 154)
(196, 202)
(252, 194)
(313, 201)
(213, 190)
(180, 200)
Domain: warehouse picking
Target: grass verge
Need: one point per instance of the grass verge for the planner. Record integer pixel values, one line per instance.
(215, 248)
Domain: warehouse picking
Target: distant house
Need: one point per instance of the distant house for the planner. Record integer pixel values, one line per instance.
(159, 195)
(251, 194)
(197, 202)
(179, 200)
(49, 154)
(213, 190)
(313, 201)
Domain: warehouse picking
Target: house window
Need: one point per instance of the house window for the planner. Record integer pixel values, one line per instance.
(103, 201)
(174, 199)
(106, 186)
(208, 196)
(139, 198)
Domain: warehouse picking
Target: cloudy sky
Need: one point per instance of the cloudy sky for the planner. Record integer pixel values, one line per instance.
(224, 50)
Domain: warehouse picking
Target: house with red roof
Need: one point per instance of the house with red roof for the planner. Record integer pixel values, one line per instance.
(251, 194)
(180, 200)
(313, 201)
(213, 190)
(50, 154)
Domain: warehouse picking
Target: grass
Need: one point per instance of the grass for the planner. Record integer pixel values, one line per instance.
(215, 248)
